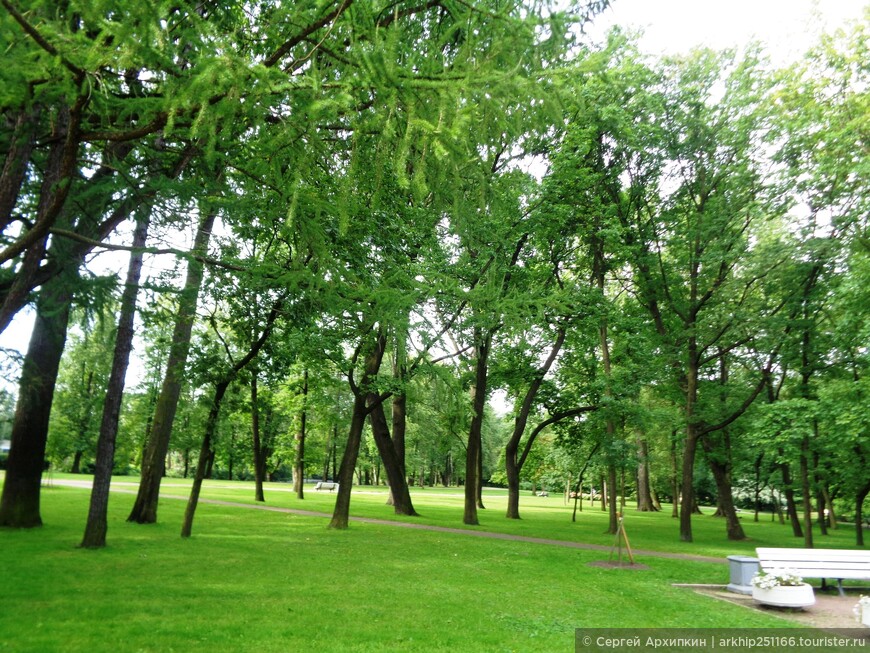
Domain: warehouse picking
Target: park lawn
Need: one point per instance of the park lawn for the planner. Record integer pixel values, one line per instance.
(543, 517)
(267, 581)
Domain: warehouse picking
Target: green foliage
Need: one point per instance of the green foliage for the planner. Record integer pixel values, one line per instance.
(79, 395)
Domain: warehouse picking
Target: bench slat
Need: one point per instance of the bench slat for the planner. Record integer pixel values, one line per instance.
(818, 563)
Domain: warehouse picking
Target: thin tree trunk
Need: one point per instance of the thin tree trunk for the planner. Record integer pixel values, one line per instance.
(828, 500)
(153, 461)
(299, 463)
(259, 454)
(513, 465)
(757, 488)
(96, 527)
(791, 507)
(693, 435)
(473, 449)
(399, 406)
(821, 504)
(675, 477)
(204, 455)
(806, 493)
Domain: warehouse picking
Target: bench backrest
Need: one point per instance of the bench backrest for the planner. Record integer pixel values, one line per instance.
(817, 563)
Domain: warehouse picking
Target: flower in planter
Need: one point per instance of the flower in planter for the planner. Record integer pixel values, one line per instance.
(862, 604)
(767, 580)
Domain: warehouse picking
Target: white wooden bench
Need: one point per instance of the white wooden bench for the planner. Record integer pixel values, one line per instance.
(839, 564)
(326, 485)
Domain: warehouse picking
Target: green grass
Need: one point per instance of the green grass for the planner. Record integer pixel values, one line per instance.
(543, 517)
(253, 580)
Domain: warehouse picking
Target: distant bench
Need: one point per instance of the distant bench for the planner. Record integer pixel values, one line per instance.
(839, 564)
(326, 485)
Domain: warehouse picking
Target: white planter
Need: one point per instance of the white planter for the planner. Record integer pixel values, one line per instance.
(865, 616)
(786, 596)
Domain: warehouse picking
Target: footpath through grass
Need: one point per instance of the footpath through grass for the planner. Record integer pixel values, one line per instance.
(252, 580)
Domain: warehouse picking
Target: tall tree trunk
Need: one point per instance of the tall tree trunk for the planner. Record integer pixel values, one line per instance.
(299, 463)
(399, 405)
(259, 454)
(153, 461)
(478, 402)
(806, 493)
(821, 504)
(204, 455)
(58, 171)
(19, 504)
(96, 527)
(757, 487)
(644, 495)
(675, 477)
(693, 434)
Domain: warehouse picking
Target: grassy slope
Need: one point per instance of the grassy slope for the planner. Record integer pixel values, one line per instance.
(253, 580)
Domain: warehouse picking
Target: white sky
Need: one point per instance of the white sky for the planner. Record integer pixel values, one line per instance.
(787, 28)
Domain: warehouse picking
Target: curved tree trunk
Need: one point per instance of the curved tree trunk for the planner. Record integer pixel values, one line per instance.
(513, 465)
(154, 457)
(96, 526)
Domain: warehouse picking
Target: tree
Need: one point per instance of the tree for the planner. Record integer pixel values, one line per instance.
(144, 509)
(96, 526)
(220, 387)
(680, 173)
